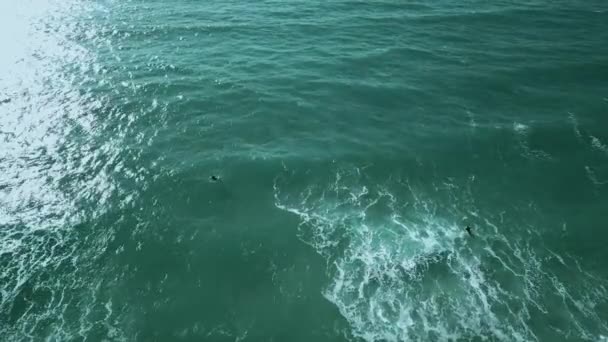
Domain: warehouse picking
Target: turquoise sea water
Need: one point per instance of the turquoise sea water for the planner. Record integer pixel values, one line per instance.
(354, 141)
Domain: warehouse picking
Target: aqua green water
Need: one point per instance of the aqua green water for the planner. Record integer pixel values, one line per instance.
(354, 141)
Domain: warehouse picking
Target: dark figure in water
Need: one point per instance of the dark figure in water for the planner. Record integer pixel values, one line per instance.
(468, 229)
(214, 178)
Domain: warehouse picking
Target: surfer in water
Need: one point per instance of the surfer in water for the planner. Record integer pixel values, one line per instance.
(470, 231)
(214, 178)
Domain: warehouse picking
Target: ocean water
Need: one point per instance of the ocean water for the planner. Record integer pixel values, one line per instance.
(354, 142)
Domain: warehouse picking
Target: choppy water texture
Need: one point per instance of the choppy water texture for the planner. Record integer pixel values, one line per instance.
(354, 141)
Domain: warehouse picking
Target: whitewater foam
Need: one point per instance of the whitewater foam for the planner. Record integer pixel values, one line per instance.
(522, 132)
(413, 275)
(598, 145)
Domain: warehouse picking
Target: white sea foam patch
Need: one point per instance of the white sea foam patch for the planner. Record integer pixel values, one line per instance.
(593, 177)
(598, 145)
(575, 126)
(522, 133)
(50, 167)
(403, 269)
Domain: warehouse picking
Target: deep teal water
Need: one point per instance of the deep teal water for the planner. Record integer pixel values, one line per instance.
(354, 142)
